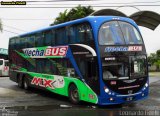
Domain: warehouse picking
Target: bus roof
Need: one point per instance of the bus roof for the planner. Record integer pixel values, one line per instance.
(88, 18)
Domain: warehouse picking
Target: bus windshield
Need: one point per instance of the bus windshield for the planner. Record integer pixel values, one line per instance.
(116, 68)
(127, 67)
(138, 66)
(118, 33)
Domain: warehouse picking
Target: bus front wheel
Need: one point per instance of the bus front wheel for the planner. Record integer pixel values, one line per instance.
(73, 94)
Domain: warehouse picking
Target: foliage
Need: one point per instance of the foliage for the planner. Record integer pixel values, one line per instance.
(154, 59)
(158, 53)
(63, 17)
(74, 13)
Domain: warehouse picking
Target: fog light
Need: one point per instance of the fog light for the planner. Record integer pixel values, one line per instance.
(111, 99)
(143, 94)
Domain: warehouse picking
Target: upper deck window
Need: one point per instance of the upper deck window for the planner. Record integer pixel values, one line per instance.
(110, 34)
(118, 33)
(130, 33)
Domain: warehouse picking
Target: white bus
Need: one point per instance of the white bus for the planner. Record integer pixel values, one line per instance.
(4, 67)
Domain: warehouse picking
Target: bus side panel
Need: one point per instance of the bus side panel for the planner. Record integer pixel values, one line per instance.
(85, 92)
(60, 85)
(13, 75)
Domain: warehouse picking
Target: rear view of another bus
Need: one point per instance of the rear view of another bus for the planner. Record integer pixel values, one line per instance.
(4, 68)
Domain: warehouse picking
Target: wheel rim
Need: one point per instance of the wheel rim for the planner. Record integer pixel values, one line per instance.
(74, 94)
(19, 83)
(25, 85)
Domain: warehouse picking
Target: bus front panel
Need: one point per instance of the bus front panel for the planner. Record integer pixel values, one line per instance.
(124, 63)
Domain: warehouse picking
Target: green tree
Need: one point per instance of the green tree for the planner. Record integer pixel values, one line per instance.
(74, 13)
(79, 12)
(154, 59)
(63, 17)
(157, 63)
(158, 53)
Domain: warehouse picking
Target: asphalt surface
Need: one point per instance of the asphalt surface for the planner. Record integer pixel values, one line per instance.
(15, 101)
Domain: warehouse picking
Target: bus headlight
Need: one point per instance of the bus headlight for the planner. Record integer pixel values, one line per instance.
(106, 90)
(146, 84)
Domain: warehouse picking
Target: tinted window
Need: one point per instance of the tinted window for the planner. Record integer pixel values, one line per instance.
(39, 39)
(71, 35)
(110, 34)
(84, 33)
(49, 38)
(31, 66)
(31, 41)
(82, 67)
(114, 32)
(81, 33)
(138, 66)
(40, 65)
(61, 36)
(88, 68)
(6, 63)
(130, 33)
(12, 43)
(53, 37)
(1, 62)
(116, 69)
(50, 67)
(23, 43)
(64, 67)
(89, 35)
(17, 45)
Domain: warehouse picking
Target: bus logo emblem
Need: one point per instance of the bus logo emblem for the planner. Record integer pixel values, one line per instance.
(49, 51)
(56, 51)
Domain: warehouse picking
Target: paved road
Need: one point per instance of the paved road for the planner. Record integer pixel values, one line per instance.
(15, 101)
(153, 79)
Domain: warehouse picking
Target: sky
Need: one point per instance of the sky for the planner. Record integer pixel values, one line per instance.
(20, 20)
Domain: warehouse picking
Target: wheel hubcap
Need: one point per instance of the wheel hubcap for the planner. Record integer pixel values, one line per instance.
(25, 85)
(75, 94)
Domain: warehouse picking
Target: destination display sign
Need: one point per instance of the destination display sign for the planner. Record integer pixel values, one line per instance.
(123, 48)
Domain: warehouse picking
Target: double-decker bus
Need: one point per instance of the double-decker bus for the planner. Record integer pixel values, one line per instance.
(97, 59)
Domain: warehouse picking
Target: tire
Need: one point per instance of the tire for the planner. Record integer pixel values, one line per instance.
(73, 94)
(26, 83)
(20, 81)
